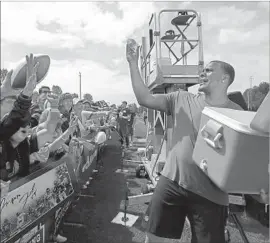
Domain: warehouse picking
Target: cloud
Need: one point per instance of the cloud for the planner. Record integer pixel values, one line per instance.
(256, 36)
(117, 61)
(227, 15)
(233, 36)
(264, 5)
(79, 21)
(210, 57)
(19, 25)
(88, 37)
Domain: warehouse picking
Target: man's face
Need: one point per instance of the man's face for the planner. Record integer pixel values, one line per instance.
(211, 78)
(87, 107)
(124, 105)
(6, 105)
(67, 103)
(44, 94)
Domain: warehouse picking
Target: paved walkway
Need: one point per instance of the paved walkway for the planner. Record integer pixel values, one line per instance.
(102, 203)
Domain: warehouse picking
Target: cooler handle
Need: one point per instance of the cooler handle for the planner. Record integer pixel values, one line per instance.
(216, 141)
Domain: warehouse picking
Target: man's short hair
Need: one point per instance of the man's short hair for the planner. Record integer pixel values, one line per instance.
(227, 68)
(124, 102)
(43, 87)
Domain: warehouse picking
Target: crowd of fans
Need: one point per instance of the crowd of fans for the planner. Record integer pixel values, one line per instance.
(38, 126)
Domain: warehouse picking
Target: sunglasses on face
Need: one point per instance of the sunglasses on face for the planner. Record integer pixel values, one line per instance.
(46, 92)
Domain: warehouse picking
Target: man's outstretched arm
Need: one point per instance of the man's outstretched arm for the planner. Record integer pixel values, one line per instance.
(142, 93)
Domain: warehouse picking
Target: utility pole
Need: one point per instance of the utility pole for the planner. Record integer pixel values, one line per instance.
(80, 77)
(249, 93)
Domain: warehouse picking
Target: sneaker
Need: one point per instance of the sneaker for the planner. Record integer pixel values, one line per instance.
(60, 239)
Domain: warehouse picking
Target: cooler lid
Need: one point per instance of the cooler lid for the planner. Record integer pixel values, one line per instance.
(237, 120)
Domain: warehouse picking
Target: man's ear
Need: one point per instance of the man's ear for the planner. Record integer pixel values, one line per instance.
(225, 79)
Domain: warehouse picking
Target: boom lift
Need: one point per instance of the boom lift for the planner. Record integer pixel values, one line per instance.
(170, 59)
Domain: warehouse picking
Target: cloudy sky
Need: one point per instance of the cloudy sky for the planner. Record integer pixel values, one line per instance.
(89, 37)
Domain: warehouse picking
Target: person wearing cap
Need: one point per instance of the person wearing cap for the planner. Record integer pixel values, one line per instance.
(40, 100)
(123, 118)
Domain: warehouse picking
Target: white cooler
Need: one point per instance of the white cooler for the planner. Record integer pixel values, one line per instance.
(234, 156)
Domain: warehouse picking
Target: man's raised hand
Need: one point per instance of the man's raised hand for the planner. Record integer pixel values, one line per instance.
(132, 51)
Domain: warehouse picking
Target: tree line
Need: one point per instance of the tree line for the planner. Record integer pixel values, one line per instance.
(254, 96)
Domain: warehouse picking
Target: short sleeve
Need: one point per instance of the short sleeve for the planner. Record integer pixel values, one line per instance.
(170, 102)
(175, 99)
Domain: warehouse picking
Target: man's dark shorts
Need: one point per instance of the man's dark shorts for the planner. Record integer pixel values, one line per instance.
(171, 204)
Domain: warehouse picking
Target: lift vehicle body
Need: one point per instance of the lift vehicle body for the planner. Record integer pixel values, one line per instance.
(165, 67)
